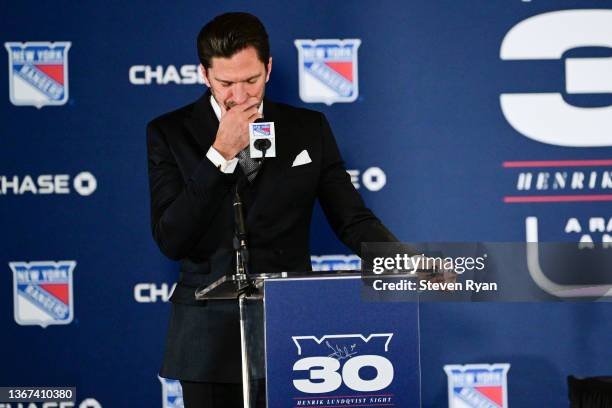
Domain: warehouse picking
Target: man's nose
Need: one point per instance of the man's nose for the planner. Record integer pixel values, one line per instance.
(239, 93)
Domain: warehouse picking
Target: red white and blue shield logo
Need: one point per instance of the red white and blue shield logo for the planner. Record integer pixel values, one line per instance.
(42, 292)
(328, 70)
(477, 385)
(38, 73)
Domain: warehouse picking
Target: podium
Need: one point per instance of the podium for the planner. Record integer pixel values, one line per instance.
(317, 341)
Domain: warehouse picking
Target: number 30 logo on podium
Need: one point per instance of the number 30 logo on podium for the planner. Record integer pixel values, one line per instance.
(340, 359)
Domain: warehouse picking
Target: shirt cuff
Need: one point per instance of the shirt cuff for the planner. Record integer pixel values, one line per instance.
(226, 166)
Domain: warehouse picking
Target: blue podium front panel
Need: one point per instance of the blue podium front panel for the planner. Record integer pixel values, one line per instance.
(327, 347)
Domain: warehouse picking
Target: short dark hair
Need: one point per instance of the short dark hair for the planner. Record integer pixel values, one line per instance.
(229, 33)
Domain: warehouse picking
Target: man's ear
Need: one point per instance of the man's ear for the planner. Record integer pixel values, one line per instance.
(268, 69)
(204, 75)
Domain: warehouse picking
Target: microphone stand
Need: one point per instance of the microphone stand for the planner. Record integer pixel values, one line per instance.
(241, 248)
(245, 285)
(240, 238)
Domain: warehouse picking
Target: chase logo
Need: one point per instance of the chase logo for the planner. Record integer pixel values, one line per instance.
(38, 73)
(172, 393)
(42, 292)
(477, 385)
(547, 117)
(328, 70)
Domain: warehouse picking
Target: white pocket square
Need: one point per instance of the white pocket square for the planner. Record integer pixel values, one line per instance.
(301, 159)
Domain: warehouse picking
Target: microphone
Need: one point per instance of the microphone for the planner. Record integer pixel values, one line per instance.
(262, 139)
(262, 145)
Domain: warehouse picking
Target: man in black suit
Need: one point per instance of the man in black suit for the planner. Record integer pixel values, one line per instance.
(196, 157)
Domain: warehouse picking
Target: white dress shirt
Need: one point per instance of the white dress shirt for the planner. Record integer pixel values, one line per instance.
(226, 166)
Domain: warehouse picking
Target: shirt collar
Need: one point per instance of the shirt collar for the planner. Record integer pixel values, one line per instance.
(217, 108)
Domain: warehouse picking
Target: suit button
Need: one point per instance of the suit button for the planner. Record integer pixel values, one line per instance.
(278, 252)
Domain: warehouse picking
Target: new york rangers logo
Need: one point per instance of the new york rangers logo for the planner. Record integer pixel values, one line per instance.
(38, 73)
(262, 130)
(328, 70)
(477, 385)
(335, 262)
(172, 393)
(42, 292)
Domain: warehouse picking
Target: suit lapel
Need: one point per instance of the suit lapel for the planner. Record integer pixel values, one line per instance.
(203, 123)
(266, 182)
(273, 114)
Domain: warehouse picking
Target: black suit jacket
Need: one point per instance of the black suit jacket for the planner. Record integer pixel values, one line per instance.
(192, 221)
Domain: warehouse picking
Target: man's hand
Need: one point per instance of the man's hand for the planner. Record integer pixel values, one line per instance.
(233, 133)
(446, 276)
(438, 276)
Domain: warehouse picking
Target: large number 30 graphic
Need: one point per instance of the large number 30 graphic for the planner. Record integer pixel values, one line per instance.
(324, 375)
(546, 117)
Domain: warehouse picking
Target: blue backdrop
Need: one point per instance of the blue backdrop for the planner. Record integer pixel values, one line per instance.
(469, 119)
